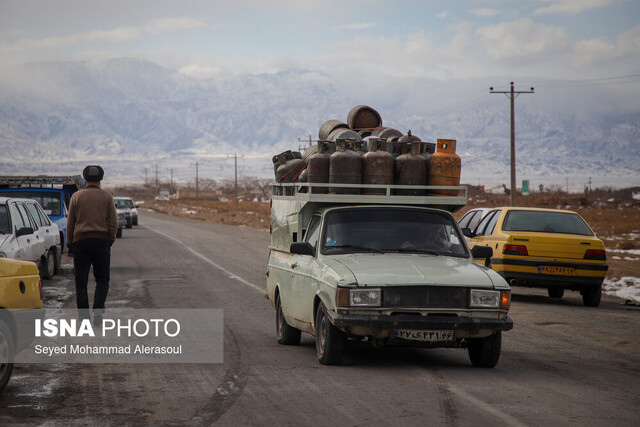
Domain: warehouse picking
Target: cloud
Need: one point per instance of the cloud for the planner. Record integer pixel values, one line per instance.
(362, 26)
(485, 12)
(116, 35)
(571, 7)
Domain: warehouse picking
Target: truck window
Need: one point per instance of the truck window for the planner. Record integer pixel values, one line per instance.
(313, 231)
(391, 230)
(50, 201)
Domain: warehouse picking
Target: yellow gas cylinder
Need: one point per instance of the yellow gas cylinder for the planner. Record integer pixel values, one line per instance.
(444, 167)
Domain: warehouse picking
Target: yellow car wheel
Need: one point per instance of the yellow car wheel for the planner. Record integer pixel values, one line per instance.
(6, 354)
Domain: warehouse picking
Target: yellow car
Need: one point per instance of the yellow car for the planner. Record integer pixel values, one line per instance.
(20, 305)
(548, 248)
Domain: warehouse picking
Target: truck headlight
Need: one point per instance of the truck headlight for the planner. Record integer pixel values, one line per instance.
(369, 297)
(485, 299)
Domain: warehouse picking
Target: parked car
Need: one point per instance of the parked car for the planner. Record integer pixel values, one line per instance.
(548, 248)
(20, 305)
(133, 209)
(49, 232)
(472, 218)
(19, 238)
(122, 219)
(122, 206)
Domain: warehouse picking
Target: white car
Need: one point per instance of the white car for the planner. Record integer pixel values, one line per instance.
(472, 218)
(18, 233)
(50, 234)
(132, 208)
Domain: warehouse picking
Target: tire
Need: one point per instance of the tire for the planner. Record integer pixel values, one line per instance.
(555, 292)
(330, 341)
(591, 296)
(7, 350)
(135, 221)
(58, 260)
(49, 266)
(287, 335)
(119, 233)
(485, 352)
(129, 223)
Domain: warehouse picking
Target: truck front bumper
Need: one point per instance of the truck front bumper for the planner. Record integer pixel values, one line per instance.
(382, 326)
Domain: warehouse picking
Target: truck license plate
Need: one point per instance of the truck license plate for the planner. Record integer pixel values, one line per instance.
(430, 336)
(563, 271)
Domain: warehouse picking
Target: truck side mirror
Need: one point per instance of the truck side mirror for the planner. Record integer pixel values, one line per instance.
(466, 231)
(302, 248)
(481, 252)
(24, 231)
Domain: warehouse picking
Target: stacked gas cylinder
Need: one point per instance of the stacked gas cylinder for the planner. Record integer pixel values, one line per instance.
(362, 151)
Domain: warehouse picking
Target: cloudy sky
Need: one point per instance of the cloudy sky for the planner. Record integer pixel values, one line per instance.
(555, 39)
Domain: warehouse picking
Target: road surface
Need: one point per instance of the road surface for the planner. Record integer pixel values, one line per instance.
(562, 364)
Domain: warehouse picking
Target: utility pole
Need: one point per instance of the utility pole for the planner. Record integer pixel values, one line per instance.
(512, 95)
(235, 168)
(157, 185)
(171, 182)
(197, 195)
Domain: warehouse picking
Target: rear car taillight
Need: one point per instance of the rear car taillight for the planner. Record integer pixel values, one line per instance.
(514, 250)
(596, 254)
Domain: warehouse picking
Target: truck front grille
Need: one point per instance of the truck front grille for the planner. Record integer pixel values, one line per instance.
(425, 297)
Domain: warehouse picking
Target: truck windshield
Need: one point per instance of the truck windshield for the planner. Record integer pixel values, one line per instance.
(361, 230)
(50, 201)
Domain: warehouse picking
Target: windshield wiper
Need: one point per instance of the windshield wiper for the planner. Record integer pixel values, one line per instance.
(414, 250)
(359, 248)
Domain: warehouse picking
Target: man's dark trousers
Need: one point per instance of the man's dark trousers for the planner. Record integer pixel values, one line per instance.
(88, 252)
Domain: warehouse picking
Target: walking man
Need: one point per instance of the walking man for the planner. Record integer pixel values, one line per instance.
(91, 230)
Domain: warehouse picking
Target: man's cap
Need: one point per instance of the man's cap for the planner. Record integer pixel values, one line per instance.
(93, 173)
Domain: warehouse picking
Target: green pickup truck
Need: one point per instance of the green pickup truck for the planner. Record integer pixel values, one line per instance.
(385, 269)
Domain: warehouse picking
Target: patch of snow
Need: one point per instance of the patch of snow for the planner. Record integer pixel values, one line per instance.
(627, 288)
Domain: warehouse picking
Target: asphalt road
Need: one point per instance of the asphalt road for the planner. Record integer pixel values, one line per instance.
(562, 364)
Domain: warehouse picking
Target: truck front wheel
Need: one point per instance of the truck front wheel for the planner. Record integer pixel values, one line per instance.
(287, 335)
(485, 352)
(330, 341)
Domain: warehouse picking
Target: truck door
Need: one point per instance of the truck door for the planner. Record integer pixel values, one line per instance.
(304, 270)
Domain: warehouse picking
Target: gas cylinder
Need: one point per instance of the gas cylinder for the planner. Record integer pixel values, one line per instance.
(404, 143)
(345, 167)
(389, 137)
(377, 167)
(329, 126)
(318, 169)
(288, 168)
(444, 167)
(280, 159)
(411, 169)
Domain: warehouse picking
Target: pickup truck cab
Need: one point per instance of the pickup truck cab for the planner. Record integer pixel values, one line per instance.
(386, 269)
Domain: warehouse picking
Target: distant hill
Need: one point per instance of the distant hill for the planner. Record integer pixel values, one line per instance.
(132, 114)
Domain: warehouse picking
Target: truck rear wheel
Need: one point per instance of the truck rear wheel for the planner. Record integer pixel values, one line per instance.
(330, 341)
(6, 354)
(119, 233)
(287, 335)
(485, 352)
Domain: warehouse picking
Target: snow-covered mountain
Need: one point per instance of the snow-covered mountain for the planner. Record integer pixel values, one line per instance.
(132, 115)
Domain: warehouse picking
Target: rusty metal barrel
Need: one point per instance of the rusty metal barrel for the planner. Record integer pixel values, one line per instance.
(363, 117)
(329, 126)
(345, 167)
(411, 169)
(288, 168)
(377, 167)
(318, 169)
(444, 167)
(341, 133)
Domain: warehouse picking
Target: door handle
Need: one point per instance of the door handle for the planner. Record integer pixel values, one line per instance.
(294, 265)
